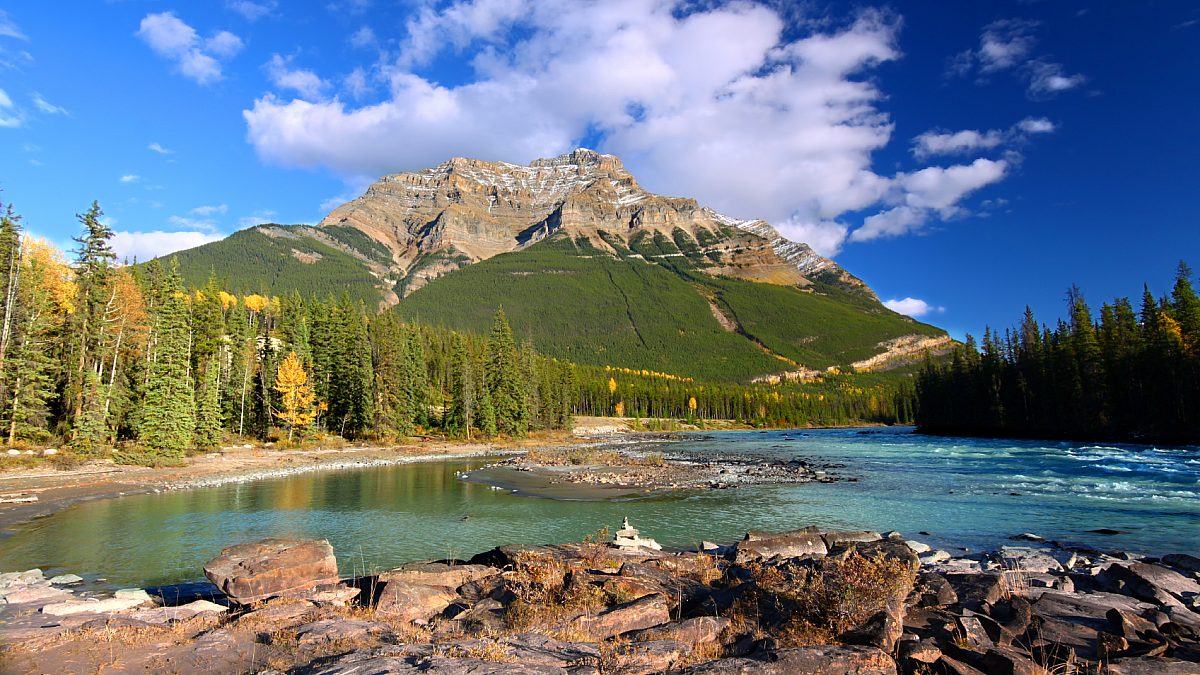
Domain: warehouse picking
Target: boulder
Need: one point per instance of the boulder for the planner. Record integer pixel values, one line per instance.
(413, 602)
(640, 614)
(832, 539)
(1183, 561)
(1152, 665)
(644, 658)
(692, 631)
(269, 568)
(761, 546)
(973, 635)
(339, 630)
(918, 547)
(974, 590)
(921, 651)
(822, 660)
(934, 591)
(1029, 560)
(1001, 660)
(882, 630)
(1152, 583)
(331, 595)
(439, 574)
(66, 579)
(892, 549)
(535, 649)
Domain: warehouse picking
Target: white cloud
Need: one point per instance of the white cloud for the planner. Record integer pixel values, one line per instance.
(46, 106)
(130, 178)
(1036, 125)
(257, 218)
(970, 141)
(913, 307)
(363, 38)
(252, 10)
(306, 83)
(197, 224)
(9, 28)
(356, 83)
(762, 126)
(171, 38)
(1047, 79)
(147, 245)
(1005, 43)
(933, 192)
(209, 210)
(949, 143)
(157, 147)
(10, 117)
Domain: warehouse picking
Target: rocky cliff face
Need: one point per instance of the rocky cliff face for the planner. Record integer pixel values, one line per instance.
(465, 210)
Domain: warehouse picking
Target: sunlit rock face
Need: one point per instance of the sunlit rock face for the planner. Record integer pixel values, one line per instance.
(466, 210)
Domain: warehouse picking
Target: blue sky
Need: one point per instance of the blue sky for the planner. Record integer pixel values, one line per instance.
(965, 159)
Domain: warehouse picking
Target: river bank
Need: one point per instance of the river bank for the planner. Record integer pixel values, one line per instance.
(806, 600)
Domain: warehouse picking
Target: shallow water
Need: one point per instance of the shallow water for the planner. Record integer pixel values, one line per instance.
(961, 491)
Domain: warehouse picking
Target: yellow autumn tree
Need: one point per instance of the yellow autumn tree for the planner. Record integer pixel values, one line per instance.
(620, 408)
(612, 385)
(297, 395)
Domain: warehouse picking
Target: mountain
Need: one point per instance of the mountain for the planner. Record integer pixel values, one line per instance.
(588, 265)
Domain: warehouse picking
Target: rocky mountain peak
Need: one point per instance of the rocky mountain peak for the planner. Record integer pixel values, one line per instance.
(465, 210)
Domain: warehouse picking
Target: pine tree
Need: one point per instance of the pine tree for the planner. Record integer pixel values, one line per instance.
(10, 268)
(93, 275)
(487, 414)
(504, 380)
(168, 421)
(208, 405)
(460, 413)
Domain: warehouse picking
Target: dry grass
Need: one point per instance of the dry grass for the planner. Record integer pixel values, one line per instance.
(580, 456)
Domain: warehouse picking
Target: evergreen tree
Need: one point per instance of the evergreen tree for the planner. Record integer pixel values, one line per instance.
(168, 420)
(487, 414)
(93, 273)
(504, 380)
(208, 405)
(460, 412)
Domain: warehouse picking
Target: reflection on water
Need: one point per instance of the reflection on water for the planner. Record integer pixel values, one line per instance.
(966, 493)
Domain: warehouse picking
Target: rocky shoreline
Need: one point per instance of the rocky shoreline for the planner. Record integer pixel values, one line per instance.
(800, 601)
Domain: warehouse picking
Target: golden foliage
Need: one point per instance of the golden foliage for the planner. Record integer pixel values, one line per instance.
(292, 384)
(612, 385)
(620, 408)
(56, 276)
(227, 300)
(692, 403)
(255, 303)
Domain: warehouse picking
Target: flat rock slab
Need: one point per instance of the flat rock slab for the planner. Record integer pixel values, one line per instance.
(439, 574)
(824, 660)
(329, 630)
(691, 631)
(640, 614)
(760, 545)
(413, 602)
(32, 594)
(93, 606)
(272, 567)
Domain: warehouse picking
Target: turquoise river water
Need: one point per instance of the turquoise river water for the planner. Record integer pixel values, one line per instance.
(966, 493)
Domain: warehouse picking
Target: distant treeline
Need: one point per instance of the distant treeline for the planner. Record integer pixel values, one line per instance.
(1131, 376)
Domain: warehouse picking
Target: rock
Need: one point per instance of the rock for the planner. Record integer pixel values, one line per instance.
(795, 544)
(653, 656)
(92, 606)
(933, 590)
(882, 630)
(975, 589)
(272, 567)
(973, 634)
(1152, 665)
(32, 594)
(531, 648)
(642, 613)
(1183, 561)
(1009, 661)
(66, 579)
(50, 452)
(1027, 536)
(628, 539)
(923, 651)
(951, 666)
(1027, 560)
(162, 615)
(918, 547)
(439, 574)
(280, 614)
(691, 631)
(413, 602)
(1153, 583)
(1129, 625)
(934, 557)
(444, 665)
(822, 660)
(832, 539)
(330, 630)
(133, 594)
(113, 621)
(1012, 615)
(332, 595)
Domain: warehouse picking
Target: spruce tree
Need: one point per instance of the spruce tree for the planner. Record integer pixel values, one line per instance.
(168, 419)
(460, 411)
(208, 405)
(504, 380)
(93, 275)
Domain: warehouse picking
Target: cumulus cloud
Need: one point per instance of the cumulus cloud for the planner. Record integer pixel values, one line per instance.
(913, 307)
(157, 147)
(146, 245)
(968, 141)
(1005, 43)
(763, 126)
(356, 83)
(306, 83)
(252, 10)
(197, 58)
(363, 38)
(130, 178)
(933, 192)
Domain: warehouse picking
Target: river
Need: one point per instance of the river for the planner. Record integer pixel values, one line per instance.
(967, 494)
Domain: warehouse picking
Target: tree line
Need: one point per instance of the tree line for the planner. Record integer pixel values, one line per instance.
(1130, 375)
(124, 360)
